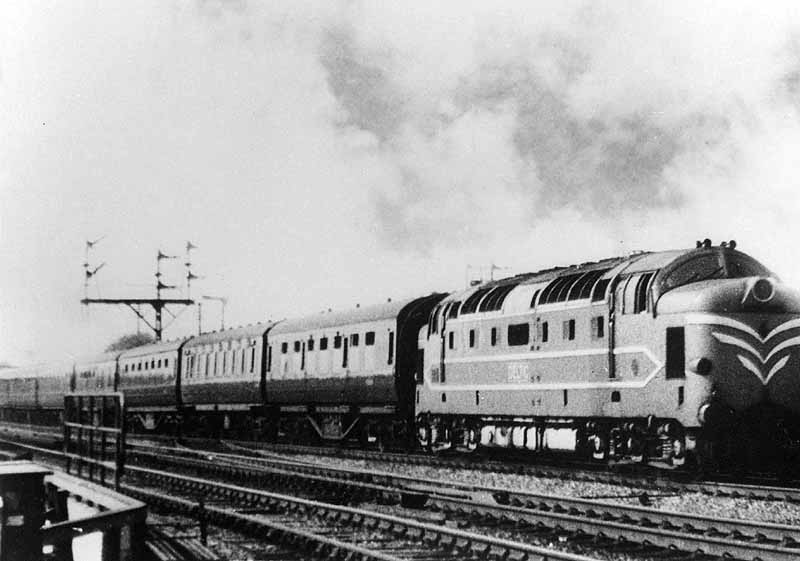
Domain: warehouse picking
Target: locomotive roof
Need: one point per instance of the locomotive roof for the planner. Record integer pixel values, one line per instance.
(152, 348)
(246, 331)
(633, 263)
(386, 310)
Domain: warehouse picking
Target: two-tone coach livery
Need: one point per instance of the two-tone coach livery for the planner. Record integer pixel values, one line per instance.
(646, 357)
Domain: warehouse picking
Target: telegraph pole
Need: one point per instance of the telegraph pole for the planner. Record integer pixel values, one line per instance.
(158, 303)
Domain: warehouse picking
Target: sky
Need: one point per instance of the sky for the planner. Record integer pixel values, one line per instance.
(327, 154)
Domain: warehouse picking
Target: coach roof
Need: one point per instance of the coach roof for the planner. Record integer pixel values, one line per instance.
(386, 310)
(234, 334)
(152, 348)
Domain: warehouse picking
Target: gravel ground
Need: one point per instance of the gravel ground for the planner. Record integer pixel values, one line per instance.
(695, 503)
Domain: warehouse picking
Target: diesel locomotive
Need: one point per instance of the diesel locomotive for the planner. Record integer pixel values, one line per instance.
(660, 357)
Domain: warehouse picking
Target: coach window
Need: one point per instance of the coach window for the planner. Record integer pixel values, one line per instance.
(569, 329)
(146, 365)
(369, 338)
(494, 336)
(310, 344)
(518, 334)
(166, 362)
(451, 340)
(269, 359)
(337, 342)
(323, 344)
(284, 348)
(354, 340)
(391, 348)
(303, 358)
(344, 353)
(252, 359)
(297, 346)
(676, 352)
(471, 338)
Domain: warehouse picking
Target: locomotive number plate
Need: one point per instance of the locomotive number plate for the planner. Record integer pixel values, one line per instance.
(518, 373)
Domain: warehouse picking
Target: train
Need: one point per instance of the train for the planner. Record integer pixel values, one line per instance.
(664, 357)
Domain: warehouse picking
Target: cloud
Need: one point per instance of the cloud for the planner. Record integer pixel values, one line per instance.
(609, 112)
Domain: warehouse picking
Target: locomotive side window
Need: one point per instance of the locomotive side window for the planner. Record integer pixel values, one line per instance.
(640, 305)
(252, 359)
(354, 340)
(391, 348)
(297, 346)
(471, 338)
(284, 347)
(323, 344)
(518, 334)
(269, 359)
(568, 329)
(676, 352)
(310, 344)
(451, 340)
(369, 338)
(337, 342)
(598, 327)
(494, 336)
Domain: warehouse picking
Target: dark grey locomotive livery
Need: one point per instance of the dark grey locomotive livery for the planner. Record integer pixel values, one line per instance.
(651, 356)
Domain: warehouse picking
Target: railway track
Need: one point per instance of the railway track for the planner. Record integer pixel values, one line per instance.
(483, 508)
(518, 515)
(317, 529)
